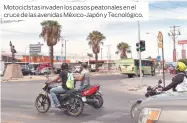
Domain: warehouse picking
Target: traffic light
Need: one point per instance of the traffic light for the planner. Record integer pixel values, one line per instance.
(142, 45)
(137, 47)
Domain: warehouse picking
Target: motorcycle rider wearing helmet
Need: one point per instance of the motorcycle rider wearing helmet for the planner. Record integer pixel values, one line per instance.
(63, 76)
(84, 76)
(179, 82)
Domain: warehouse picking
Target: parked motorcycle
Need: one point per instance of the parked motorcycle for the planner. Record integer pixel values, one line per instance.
(69, 101)
(151, 91)
(92, 96)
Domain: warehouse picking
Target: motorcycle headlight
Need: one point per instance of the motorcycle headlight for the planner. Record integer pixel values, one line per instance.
(149, 115)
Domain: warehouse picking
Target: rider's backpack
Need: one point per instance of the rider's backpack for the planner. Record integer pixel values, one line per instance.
(70, 81)
(182, 86)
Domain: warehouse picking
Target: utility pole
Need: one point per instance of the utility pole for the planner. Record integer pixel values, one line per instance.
(174, 32)
(61, 50)
(65, 49)
(108, 55)
(140, 61)
(101, 53)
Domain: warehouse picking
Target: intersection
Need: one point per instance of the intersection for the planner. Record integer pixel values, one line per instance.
(18, 103)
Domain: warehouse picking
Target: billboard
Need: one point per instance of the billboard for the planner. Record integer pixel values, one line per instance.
(182, 42)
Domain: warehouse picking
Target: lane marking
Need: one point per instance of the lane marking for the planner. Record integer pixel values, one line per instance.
(27, 117)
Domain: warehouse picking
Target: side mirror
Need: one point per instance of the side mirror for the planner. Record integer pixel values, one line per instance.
(160, 81)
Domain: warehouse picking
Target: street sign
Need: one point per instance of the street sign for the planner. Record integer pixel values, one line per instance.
(60, 58)
(182, 42)
(160, 37)
(35, 49)
(158, 58)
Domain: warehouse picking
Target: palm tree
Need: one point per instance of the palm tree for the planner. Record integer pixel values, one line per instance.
(51, 34)
(95, 39)
(123, 48)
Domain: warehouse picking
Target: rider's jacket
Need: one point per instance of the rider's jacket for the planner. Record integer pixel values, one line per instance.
(178, 83)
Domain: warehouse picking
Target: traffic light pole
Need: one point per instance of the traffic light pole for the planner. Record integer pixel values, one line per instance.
(140, 61)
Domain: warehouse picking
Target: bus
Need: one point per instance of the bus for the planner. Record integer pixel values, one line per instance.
(130, 67)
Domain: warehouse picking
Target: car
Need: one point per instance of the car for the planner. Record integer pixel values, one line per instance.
(169, 107)
(45, 71)
(26, 71)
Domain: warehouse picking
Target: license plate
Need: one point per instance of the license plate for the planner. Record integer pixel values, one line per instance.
(84, 99)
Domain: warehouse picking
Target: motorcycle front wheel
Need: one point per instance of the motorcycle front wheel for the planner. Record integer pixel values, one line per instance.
(75, 107)
(42, 103)
(133, 109)
(99, 102)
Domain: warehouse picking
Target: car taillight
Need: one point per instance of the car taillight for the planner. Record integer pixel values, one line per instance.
(132, 68)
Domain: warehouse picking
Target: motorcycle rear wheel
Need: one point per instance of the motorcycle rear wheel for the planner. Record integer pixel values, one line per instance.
(74, 103)
(99, 104)
(45, 100)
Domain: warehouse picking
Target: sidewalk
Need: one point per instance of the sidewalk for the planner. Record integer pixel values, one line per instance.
(105, 73)
(135, 86)
(43, 78)
(25, 78)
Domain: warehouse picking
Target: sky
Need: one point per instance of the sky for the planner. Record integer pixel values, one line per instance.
(163, 15)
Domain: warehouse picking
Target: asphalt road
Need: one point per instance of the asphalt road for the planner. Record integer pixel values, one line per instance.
(18, 98)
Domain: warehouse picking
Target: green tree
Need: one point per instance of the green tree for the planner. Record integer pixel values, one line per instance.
(51, 33)
(123, 48)
(183, 60)
(95, 39)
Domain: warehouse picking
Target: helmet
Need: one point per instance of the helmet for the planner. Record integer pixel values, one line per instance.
(64, 66)
(84, 65)
(181, 66)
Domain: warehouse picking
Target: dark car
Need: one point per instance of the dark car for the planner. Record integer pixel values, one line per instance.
(170, 107)
(26, 71)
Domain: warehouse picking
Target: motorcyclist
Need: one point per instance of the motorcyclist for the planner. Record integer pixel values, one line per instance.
(84, 76)
(63, 76)
(179, 82)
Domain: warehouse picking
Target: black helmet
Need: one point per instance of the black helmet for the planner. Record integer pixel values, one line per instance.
(64, 66)
(84, 65)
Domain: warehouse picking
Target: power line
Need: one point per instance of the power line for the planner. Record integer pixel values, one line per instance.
(176, 4)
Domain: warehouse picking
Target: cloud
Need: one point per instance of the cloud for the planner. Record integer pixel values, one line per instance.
(27, 32)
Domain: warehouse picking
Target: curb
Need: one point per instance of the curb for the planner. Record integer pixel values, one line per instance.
(105, 74)
(23, 79)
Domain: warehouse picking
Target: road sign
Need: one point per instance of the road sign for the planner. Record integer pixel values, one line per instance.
(35, 48)
(158, 58)
(182, 42)
(160, 37)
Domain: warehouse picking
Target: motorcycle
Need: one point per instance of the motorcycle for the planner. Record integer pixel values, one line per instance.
(70, 101)
(151, 91)
(92, 96)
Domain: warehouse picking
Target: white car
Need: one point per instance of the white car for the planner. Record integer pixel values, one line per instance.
(77, 68)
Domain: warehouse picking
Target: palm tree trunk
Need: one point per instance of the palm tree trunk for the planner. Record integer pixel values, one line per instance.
(96, 59)
(124, 53)
(51, 59)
